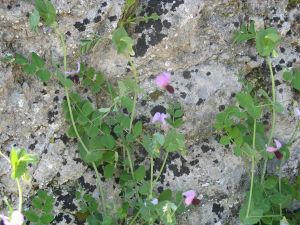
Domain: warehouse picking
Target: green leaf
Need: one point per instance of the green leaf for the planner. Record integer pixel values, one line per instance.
(34, 20)
(66, 82)
(46, 11)
(266, 41)
(92, 131)
(29, 69)
(109, 170)
(158, 139)
(296, 81)
(20, 60)
(122, 42)
(278, 198)
(46, 219)
(270, 183)
(137, 129)
(37, 60)
(144, 189)
(166, 195)
(245, 33)
(87, 108)
(255, 213)
(174, 142)
(86, 45)
(288, 75)
(108, 141)
(140, 173)
(127, 103)
(225, 140)
(278, 107)
(31, 216)
(44, 75)
(245, 100)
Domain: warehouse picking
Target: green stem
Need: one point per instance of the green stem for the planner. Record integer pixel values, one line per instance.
(294, 133)
(151, 177)
(273, 116)
(252, 169)
(64, 47)
(130, 161)
(135, 217)
(279, 185)
(265, 216)
(20, 195)
(161, 169)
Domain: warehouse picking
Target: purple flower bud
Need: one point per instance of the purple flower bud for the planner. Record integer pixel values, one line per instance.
(159, 117)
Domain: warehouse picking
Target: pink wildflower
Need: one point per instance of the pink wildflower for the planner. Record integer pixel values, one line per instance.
(275, 150)
(190, 198)
(16, 219)
(163, 81)
(159, 117)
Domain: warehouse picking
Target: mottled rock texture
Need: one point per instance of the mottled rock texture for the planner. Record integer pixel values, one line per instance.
(193, 41)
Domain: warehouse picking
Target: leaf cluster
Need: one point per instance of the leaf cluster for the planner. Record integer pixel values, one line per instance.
(41, 210)
(33, 66)
(176, 113)
(293, 77)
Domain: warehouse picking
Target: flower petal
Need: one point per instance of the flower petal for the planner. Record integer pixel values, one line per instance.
(189, 196)
(271, 149)
(278, 144)
(17, 218)
(163, 79)
(156, 117)
(278, 155)
(4, 220)
(154, 201)
(297, 112)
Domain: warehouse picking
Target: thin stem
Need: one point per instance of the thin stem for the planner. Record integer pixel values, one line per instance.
(161, 168)
(20, 195)
(129, 160)
(252, 169)
(273, 115)
(64, 46)
(151, 177)
(265, 216)
(279, 185)
(135, 217)
(294, 133)
(5, 157)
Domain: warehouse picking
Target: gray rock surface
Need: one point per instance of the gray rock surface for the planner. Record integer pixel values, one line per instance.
(192, 40)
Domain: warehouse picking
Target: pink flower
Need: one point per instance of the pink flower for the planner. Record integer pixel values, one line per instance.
(159, 117)
(16, 219)
(297, 112)
(190, 198)
(275, 150)
(163, 81)
(73, 72)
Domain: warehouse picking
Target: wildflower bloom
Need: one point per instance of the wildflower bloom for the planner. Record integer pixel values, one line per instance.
(154, 201)
(159, 117)
(73, 74)
(16, 219)
(163, 81)
(297, 112)
(190, 198)
(275, 150)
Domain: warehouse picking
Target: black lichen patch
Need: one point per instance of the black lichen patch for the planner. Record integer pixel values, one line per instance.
(141, 47)
(182, 95)
(194, 162)
(67, 201)
(88, 187)
(217, 209)
(51, 116)
(97, 19)
(152, 28)
(158, 108)
(112, 18)
(200, 101)
(221, 108)
(186, 74)
(86, 21)
(80, 26)
(32, 146)
(206, 148)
